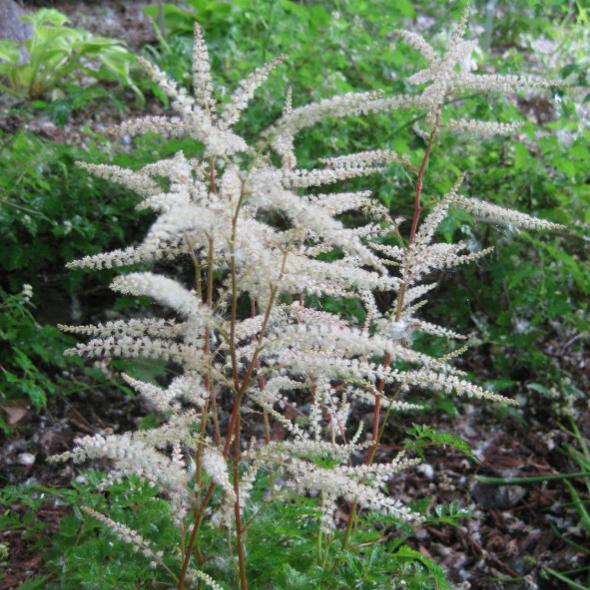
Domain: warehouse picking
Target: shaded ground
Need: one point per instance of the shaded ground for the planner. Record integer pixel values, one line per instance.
(111, 18)
(515, 530)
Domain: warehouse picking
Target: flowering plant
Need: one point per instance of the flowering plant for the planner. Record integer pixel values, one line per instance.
(255, 353)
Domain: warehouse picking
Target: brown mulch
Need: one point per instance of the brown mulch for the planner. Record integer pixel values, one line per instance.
(24, 459)
(515, 530)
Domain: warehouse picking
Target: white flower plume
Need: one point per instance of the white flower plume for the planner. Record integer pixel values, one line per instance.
(262, 243)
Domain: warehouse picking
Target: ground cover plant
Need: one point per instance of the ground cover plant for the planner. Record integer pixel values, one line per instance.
(524, 302)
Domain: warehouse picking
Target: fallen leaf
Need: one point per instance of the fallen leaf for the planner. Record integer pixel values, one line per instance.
(14, 411)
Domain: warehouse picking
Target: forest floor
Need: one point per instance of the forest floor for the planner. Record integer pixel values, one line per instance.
(514, 531)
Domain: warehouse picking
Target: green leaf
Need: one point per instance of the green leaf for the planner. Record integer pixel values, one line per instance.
(46, 16)
(35, 583)
(9, 52)
(407, 553)
(424, 436)
(539, 388)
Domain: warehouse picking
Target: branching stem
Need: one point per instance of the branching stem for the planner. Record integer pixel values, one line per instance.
(377, 434)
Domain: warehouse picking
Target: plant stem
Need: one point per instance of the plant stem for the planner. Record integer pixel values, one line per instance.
(399, 308)
(161, 19)
(565, 579)
(191, 542)
(234, 426)
(207, 377)
(349, 525)
(246, 381)
(235, 423)
(377, 434)
(417, 208)
(377, 406)
(419, 180)
(529, 479)
(208, 382)
(238, 517)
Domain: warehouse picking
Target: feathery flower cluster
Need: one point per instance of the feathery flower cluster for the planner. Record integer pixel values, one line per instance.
(127, 535)
(447, 76)
(220, 212)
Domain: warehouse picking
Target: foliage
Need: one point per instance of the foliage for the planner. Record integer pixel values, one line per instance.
(76, 100)
(55, 53)
(28, 350)
(48, 211)
(81, 554)
(77, 556)
(532, 292)
(51, 211)
(244, 209)
(423, 436)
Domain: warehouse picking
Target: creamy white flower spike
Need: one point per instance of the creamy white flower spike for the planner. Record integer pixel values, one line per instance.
(450, 74)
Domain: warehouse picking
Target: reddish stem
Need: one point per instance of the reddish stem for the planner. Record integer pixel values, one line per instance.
(212, 183)
(419, 179)
(197, 523)
(399, 307)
